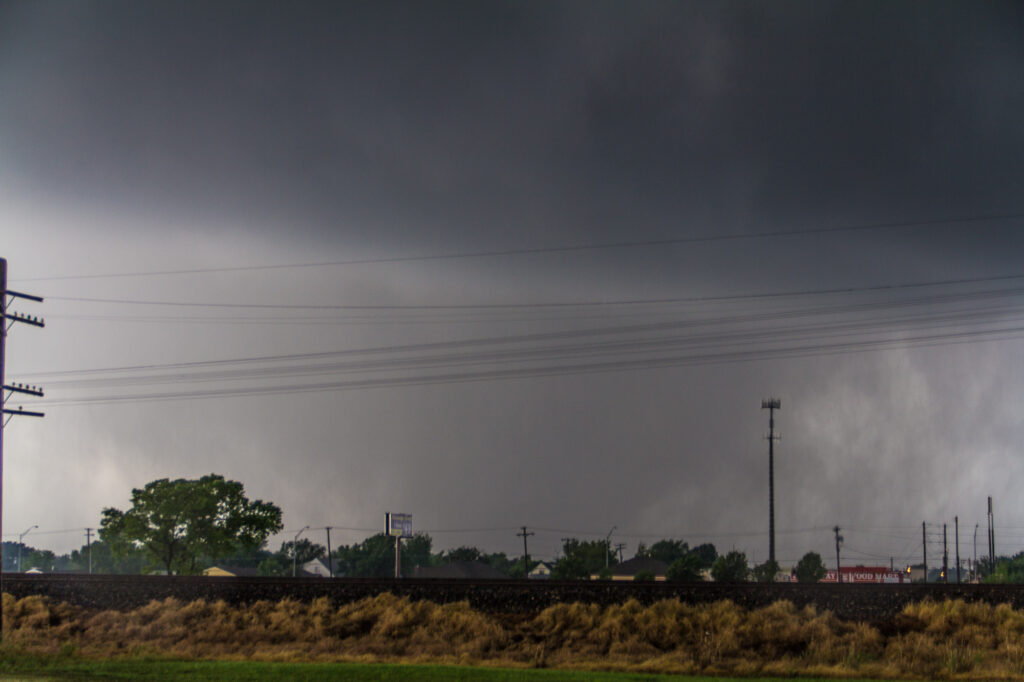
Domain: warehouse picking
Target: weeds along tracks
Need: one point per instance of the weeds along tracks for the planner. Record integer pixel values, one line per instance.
(870, 603)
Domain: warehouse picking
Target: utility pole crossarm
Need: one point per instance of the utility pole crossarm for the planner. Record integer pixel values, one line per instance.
(28, 297)
(26, 319)
(22, 388)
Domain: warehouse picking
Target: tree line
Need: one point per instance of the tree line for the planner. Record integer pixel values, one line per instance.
(184, 526)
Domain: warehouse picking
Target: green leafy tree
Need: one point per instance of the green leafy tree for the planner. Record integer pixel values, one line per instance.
(131, 561)
(514, 566)
(643, 577)
(1008, 570)
(462, 554)
(43, 559)
(11, 550)
(668, 550)
(810, 568)
(501, 562)
(274, 566)
(178, 522)
(580, 560)
(706, 553)
(570, 568)
(302, 551)
(416, 552)
(730, 568)
(375, 556)
(766, 572)
(685, 569)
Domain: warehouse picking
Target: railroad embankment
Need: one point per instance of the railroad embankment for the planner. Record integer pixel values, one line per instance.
(864, 602)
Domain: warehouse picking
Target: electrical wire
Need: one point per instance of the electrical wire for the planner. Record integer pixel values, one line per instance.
(564, 369)
(646, 328)
(632, 244)
(548, 304)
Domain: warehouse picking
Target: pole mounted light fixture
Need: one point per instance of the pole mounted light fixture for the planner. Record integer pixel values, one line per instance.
(295, 550)
(20, 536)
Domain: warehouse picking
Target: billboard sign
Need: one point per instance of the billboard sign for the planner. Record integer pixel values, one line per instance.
(865, 574)
(398, 525)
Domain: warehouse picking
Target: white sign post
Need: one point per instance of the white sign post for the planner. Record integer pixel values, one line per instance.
(398, 526)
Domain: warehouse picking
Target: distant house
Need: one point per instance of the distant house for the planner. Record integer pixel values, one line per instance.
(475, 570)
(231, 572)
(319, 568)
(628, 570)
(542, 571)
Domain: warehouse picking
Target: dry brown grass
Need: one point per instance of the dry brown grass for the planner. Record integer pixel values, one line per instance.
(930, 640)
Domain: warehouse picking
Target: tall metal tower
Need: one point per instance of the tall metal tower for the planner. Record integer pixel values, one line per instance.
(771, 405)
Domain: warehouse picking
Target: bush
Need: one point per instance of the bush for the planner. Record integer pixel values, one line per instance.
(730, 568)
(686, 569)
(810, 568)
(766, 572)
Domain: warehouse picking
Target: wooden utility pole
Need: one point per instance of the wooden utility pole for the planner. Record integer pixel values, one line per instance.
(924, 548)
(945, 556)
(7, 320)
(330, 561)
(839, 541)
(526, 555)
(956, 542)
(991, 538)
(88, 546)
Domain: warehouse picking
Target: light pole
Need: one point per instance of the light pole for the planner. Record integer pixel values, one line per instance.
(771, 405)
(608, 545)
(295, 551)
(27, 531)
(839, 541)
(976, 552)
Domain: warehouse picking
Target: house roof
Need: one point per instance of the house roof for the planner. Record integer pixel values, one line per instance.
(323, 564)
(460, 569)
(638, 564)
(236, 571)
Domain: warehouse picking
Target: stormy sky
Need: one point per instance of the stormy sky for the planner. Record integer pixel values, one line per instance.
(528, 263)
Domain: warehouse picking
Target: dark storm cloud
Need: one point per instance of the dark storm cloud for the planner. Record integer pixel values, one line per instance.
(441, 124)
(400, 128)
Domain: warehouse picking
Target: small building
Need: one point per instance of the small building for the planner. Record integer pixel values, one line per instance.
(474, 570)
(628, 570)
(914, 573)
(542, 571)
(864, 574)
(318, 568)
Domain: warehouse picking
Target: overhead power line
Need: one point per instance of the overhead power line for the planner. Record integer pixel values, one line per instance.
(552, 370)
(550, 304)
(716, 331)
(631, 244)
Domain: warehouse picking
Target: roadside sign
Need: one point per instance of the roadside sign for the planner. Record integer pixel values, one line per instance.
(398, 525)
